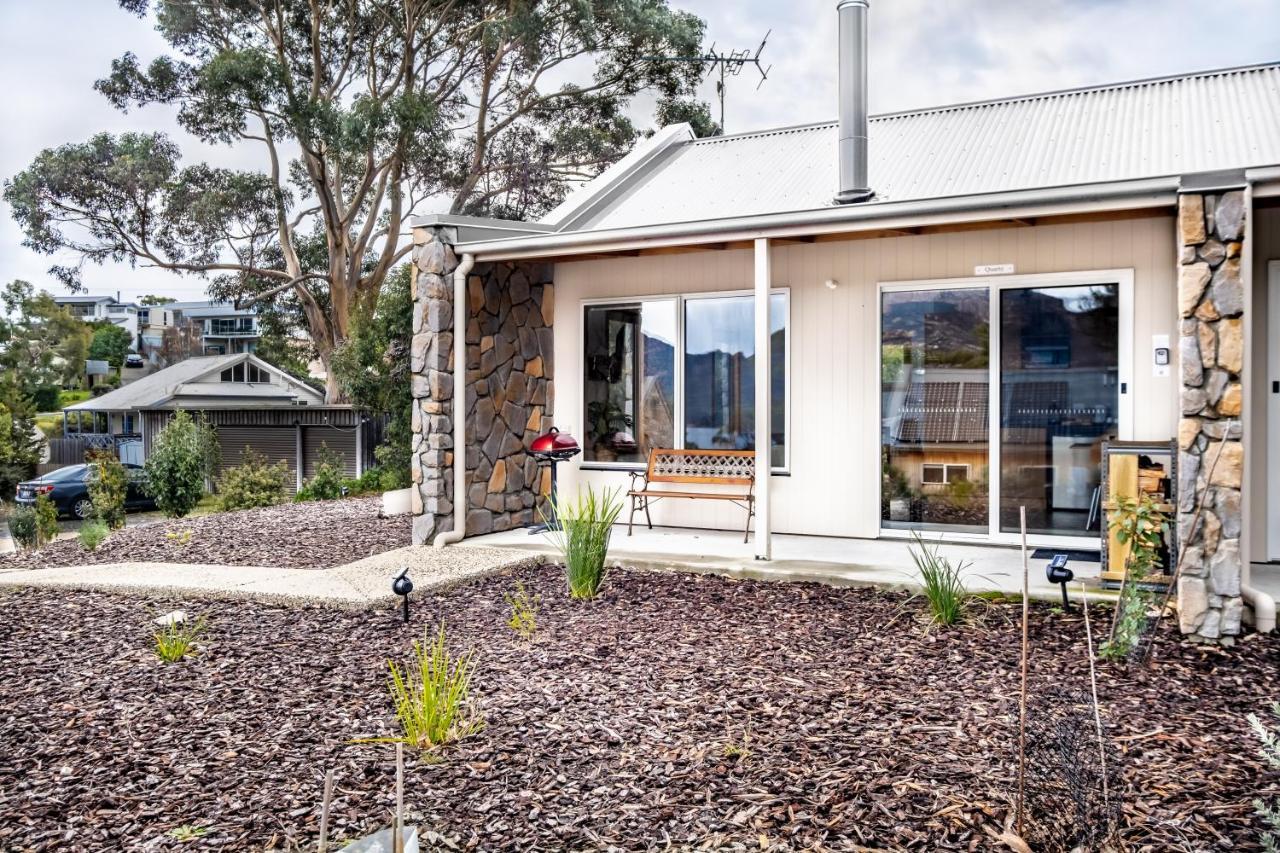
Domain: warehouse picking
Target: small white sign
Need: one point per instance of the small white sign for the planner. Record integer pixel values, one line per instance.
(993, 269)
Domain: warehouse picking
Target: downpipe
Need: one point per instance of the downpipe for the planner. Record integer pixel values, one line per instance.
(459, 530)
(1264, 606)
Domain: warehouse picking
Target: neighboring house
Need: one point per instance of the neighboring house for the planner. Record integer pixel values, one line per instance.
(225, 329)
(222, 328)
(981, 292)
(109, 309)
(251, 403)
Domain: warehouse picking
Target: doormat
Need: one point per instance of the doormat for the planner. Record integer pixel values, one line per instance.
(1079, 556)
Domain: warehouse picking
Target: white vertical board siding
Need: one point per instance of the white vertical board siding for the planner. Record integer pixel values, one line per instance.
(832, 487)
(1266, 247)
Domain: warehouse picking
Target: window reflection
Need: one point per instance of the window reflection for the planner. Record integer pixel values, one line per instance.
(629, 382)
(719, 374)
(934, 354)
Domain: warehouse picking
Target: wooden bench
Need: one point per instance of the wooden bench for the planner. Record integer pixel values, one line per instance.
(709, 467)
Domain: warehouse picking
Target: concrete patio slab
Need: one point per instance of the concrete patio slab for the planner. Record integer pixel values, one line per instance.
(361, 584)
(829, 560)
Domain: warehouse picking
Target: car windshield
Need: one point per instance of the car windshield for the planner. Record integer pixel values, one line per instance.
(71, 472)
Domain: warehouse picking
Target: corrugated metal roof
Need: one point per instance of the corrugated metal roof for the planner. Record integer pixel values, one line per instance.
(1228, 119)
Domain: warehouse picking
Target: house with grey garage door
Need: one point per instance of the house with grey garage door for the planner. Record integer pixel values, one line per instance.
(914, 322)
(249, 402)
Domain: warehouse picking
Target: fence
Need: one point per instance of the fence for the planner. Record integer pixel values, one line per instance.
(72, 449)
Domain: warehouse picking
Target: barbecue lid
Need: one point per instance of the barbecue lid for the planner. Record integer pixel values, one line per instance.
(553, 440)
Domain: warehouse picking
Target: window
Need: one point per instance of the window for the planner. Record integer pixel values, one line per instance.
(245, 372)
(629, 381)
(942, 475)
(650, 381)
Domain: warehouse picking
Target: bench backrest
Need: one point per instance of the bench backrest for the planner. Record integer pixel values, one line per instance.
(730, 467)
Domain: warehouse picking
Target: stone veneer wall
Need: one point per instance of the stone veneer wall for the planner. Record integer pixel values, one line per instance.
(1211, 229)
(509, 393)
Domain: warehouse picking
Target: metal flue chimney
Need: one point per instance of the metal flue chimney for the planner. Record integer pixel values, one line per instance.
(853, 102)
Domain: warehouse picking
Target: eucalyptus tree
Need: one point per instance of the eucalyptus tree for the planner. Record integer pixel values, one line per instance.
(363, 113)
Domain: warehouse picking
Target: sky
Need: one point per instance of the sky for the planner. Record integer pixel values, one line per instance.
(922, 53)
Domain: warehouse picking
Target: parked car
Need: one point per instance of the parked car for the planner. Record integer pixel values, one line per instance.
(134, 360)
(68, 488)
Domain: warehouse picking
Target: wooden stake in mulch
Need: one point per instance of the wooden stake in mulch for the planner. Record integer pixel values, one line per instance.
(1093, 686)
(397, 845)
(1022, 704)
(324, 811)
(1191, 535)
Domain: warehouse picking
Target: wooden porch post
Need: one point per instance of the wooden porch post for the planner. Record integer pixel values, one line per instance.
(763, 404)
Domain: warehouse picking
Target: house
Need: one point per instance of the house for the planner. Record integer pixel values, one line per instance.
(250, 403)
(110, 309)
(215, 328)
(955, 305)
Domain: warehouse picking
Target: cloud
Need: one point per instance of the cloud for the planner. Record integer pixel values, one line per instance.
(923, 53)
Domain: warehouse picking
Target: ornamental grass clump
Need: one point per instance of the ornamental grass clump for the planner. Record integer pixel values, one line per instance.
(177, 639)
(581, 534)
(942, 581)
(432, 695)
(92, 533)
(1270, 752)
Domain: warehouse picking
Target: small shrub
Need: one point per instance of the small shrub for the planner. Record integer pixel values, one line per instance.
(24, 528)
(368, 483)
(524, 612)
(180, 538)
(1141, 525)
(178, 639)
(432, 695)
(181, 461)
(188, 832)
(327, 482)
(1270, 752)
(582, 538)
(47, 398)
(943, 582)
(92, 534)
(46, 519)
(253, 483)
(108, 483)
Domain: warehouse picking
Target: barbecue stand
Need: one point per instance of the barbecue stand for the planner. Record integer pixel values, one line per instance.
(549, 449)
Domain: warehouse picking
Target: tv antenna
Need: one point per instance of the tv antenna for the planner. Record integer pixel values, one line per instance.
(725, 64)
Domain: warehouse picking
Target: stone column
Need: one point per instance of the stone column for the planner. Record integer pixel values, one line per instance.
(508, 398)
(431, 364)
(1211, 230)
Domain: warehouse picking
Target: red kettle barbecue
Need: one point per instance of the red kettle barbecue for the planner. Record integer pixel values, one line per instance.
(550, 448)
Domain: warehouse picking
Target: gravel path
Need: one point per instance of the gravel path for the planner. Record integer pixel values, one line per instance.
(312, 535)
(676, 711)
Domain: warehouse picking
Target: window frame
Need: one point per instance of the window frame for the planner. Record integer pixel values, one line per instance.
(679, 300)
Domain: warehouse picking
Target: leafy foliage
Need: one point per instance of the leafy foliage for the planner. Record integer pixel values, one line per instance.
(20, 442)
(499, 108)
(42, 344)
(253, 482)
(182, 459)
(46, 520)
(326, 484)
(24, 528)
(1139, 524)
(108, 483)
(111, 344)
(582, 538)
(942, 582)
(1270, 752)
(372, 368)
(524, 612)
(176, 640)
(432, 695)
(92, 534)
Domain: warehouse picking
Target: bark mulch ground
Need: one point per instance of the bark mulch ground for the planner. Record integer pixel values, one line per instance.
(675, 712)
(312, 535)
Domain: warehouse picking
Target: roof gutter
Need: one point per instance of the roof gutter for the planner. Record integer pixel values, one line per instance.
(1119, 195)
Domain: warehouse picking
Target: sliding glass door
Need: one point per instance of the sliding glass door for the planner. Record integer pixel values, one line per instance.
(1059, 399)
(935, 365)
(974, 428)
